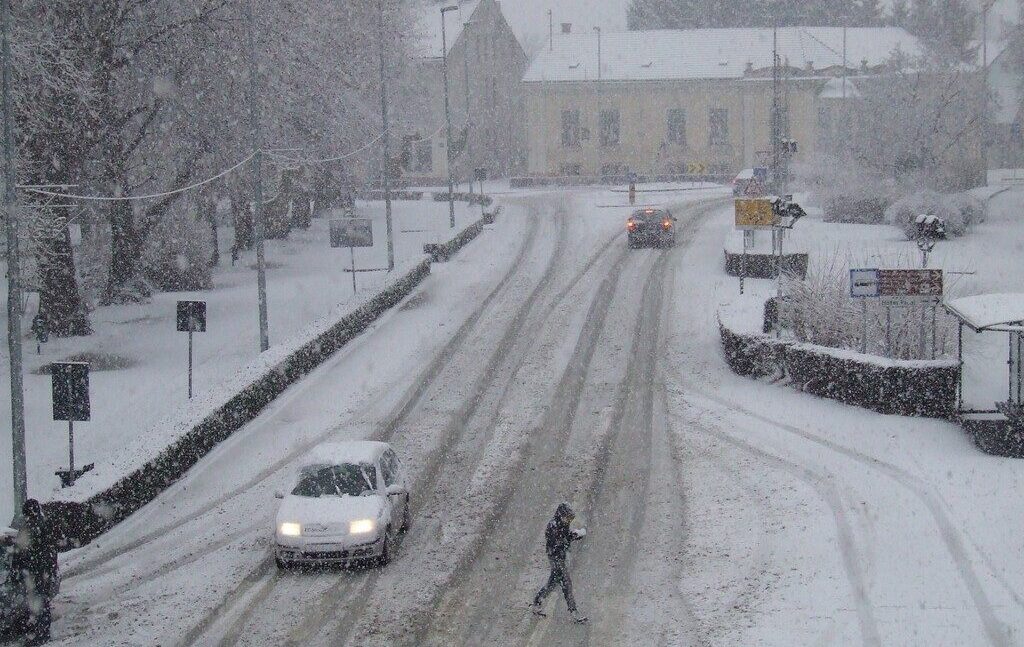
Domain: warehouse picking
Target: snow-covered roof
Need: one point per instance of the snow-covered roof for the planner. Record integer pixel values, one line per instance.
(833, 89)
(428, 27)
(360, 451)
(712, 53)
(988, 310)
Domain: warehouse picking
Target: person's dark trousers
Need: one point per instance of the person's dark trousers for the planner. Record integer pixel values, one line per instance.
(37, 629)
(559, 575)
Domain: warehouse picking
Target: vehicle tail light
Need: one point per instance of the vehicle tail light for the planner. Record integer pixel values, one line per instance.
(631, 225)
(667, 224)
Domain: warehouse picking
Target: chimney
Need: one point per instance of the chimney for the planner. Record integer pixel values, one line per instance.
(810, 66)
(749, 69)
(566, 27)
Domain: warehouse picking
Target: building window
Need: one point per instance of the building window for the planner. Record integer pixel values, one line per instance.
(571, 128)
(677, 126)
(609, 128)
(614, 170)
(571, 169)
(718, 127)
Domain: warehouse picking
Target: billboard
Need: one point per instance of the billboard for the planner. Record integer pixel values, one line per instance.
(909, 287)
(352, 232)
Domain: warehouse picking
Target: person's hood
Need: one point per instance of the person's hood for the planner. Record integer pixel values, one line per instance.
(329, 515)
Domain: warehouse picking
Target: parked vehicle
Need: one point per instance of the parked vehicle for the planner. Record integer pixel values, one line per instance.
(651, 227)
(348, 505)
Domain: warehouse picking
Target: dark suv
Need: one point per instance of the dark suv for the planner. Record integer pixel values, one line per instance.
(651, 227)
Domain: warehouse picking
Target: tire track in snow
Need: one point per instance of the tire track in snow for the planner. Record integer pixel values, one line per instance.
(995, 630)
(428, 482)
(822, 483)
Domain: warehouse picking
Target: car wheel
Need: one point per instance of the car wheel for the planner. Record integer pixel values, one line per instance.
(281, 564)
(406, 517)
(388, 549)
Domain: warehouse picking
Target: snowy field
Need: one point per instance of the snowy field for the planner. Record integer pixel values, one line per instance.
(547, 362)
(131, 406)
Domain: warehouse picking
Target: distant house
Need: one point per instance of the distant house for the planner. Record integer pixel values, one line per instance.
(485, 65)
(691, 102)
(1006, 113)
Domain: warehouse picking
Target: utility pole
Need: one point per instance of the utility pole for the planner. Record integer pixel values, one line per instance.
(13, 275)
(386, 140)
(257, 179)
(598, 30)
(469, 112)
(551, 31)
(776, 129)
(448, 117)
(984, 92)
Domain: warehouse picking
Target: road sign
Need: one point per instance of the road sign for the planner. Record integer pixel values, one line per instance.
(191, 316)
(755, 213)
(70, 391)
(864, 283)
(696, 168)
(352, 232)
(910, 287)
(480, 173)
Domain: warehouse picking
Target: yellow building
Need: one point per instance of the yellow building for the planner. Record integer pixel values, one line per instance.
(689, 102)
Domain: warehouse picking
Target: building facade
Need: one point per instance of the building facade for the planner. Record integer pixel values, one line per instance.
(690, 102)
(485, 66)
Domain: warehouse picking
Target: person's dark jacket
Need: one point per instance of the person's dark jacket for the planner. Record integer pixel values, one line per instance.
(34, 561)
(558, 537)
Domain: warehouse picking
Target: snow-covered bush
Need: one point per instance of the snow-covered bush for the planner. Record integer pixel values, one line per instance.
(846, 191)
(818, 310)
(959, 211)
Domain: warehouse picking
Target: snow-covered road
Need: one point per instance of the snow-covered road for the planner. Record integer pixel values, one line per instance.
(545, 363)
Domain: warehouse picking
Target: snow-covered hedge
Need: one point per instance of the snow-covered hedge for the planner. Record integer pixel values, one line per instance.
(900, 387)
(765, 266)
(959, 210)
(471, 198)
(396, 194)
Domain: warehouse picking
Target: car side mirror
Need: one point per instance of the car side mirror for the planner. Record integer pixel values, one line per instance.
(278, 494)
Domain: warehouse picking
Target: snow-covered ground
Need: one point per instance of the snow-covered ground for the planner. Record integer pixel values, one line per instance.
(131, 407)
(546, 363)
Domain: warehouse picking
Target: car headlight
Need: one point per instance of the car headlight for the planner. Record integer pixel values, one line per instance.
(290, 529)
(362, 526)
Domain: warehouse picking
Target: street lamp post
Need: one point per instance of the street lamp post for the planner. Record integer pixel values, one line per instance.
(257, 180)
(598, 30)
(448, 116)
(13, 275)
(386, 139)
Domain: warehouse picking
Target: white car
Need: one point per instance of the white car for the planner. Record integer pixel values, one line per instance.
(347, 506)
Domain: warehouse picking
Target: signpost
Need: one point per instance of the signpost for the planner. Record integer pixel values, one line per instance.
(71, 403)
(896, 288)
(864, 285)
(480, 173)
(191, 319)
(352, 233)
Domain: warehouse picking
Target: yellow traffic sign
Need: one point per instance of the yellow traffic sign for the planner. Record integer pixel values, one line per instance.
(755, 213)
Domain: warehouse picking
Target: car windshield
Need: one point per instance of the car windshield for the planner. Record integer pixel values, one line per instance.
(335, 480)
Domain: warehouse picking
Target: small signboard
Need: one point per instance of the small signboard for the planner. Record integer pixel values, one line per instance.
(191, 316)
(70, 391)
(864, 283)
(480, 174)
(352, 232)
(910, 287)
(754, 214)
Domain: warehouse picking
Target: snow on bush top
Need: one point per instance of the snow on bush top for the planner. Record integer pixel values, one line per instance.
(959, 211)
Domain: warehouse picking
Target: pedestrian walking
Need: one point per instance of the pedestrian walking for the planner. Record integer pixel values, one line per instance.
(35, 565)
(558, 536)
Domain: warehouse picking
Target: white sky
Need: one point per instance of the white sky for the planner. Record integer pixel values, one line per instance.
(529, 18)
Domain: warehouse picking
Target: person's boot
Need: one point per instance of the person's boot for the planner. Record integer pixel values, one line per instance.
(537, 609)
(577, 617)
